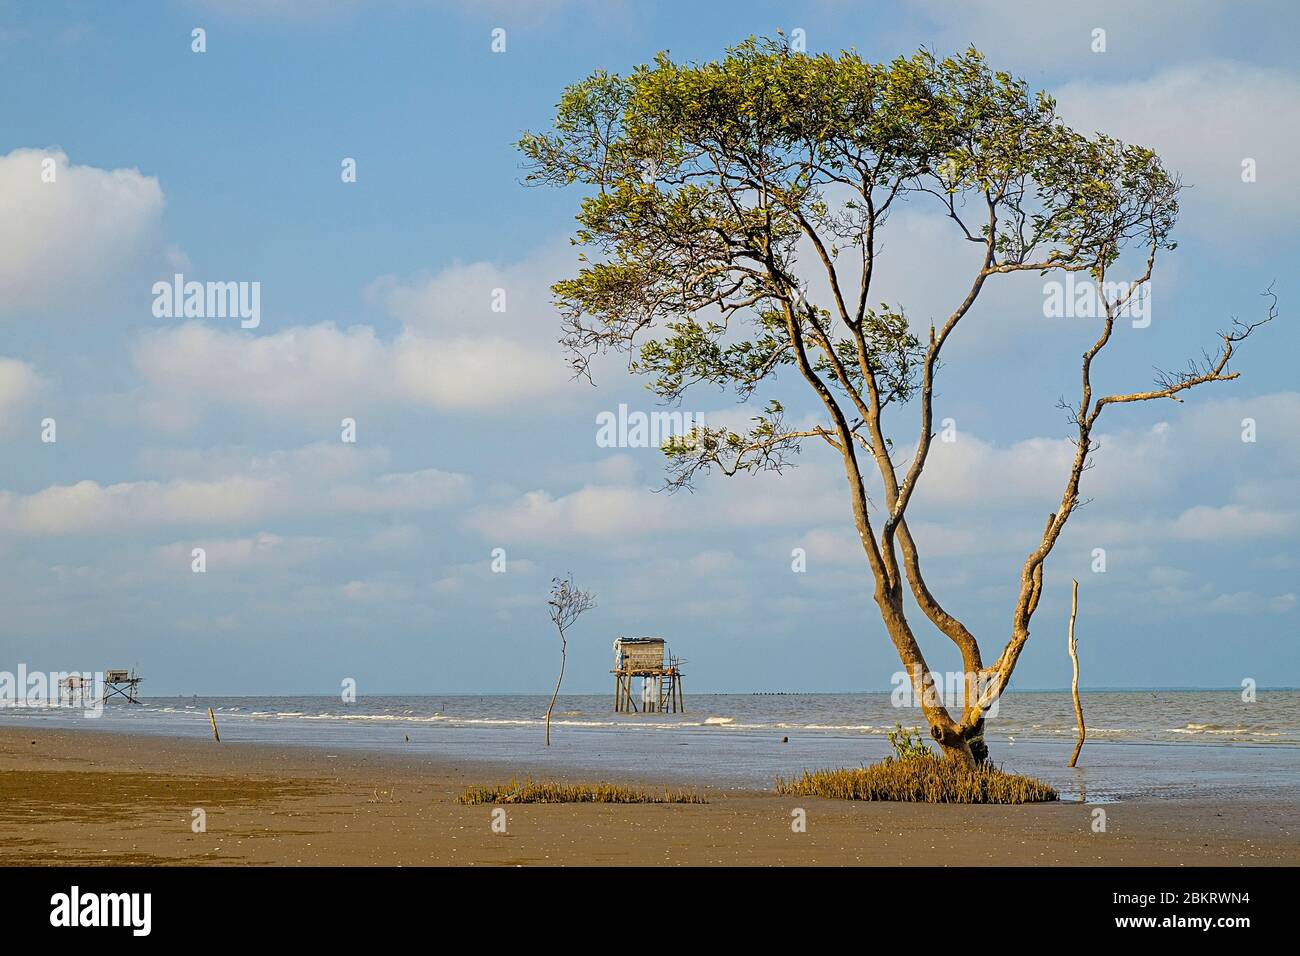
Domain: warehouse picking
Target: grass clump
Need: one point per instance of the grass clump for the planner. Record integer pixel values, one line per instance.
(920, 780)
(916, 774)
(549, 792)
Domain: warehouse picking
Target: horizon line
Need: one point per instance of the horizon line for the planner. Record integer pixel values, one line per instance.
(755, 693)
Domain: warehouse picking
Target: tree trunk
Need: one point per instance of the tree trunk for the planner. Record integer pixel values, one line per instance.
(953, 746)
(563, 648)
(979, 750)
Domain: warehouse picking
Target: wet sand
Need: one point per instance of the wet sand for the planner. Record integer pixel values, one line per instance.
(88, 797)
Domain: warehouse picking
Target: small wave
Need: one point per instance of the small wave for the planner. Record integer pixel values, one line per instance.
(1223, 729)
(718, 721)
(863, 728)
(387, 718)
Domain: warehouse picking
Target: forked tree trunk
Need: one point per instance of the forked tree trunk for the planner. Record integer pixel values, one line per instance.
(953, 743)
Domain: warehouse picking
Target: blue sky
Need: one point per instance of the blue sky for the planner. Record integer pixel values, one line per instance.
(372, 560)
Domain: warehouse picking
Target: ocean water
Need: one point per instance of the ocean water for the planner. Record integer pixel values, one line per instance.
(1140, 743)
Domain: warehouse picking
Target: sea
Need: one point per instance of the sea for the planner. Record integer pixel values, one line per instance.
(1162, 743)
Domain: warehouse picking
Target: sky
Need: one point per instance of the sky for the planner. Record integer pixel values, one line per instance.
(417, 558)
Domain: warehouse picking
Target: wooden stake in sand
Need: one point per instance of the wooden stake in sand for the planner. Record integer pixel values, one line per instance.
(1074, 656)
(217, 737)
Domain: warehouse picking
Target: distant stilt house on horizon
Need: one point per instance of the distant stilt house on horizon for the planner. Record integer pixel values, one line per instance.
(122, 683)
(74, 689)
(660, 673)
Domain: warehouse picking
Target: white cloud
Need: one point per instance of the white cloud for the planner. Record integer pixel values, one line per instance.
(1238, 602)
(376, 591)
(621, 513)
(464, 373)
(975, 497)
(479, 334)
(262, 551)
(61, 242)
(519, 12)
(974, 474)
(278, 486)
(398, 539)
(1019, 35)
(1248, 602)
(1231, 522)
(595, 511)
(832, 546)
(453, 353)
(18, 384)
(1204, 120)
(612, 468)
(301, 370)
(322, 461)
(422, 490)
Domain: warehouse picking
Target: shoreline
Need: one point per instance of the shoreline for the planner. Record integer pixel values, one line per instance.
(98, 797)
(742, 749)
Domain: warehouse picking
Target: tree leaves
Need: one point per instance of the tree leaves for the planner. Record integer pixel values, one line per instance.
(710, 187)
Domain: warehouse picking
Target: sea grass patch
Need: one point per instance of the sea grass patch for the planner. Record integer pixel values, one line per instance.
(920, 779)
(549, 792)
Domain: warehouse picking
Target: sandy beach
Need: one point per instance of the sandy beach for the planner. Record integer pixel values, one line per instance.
(94, 798)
